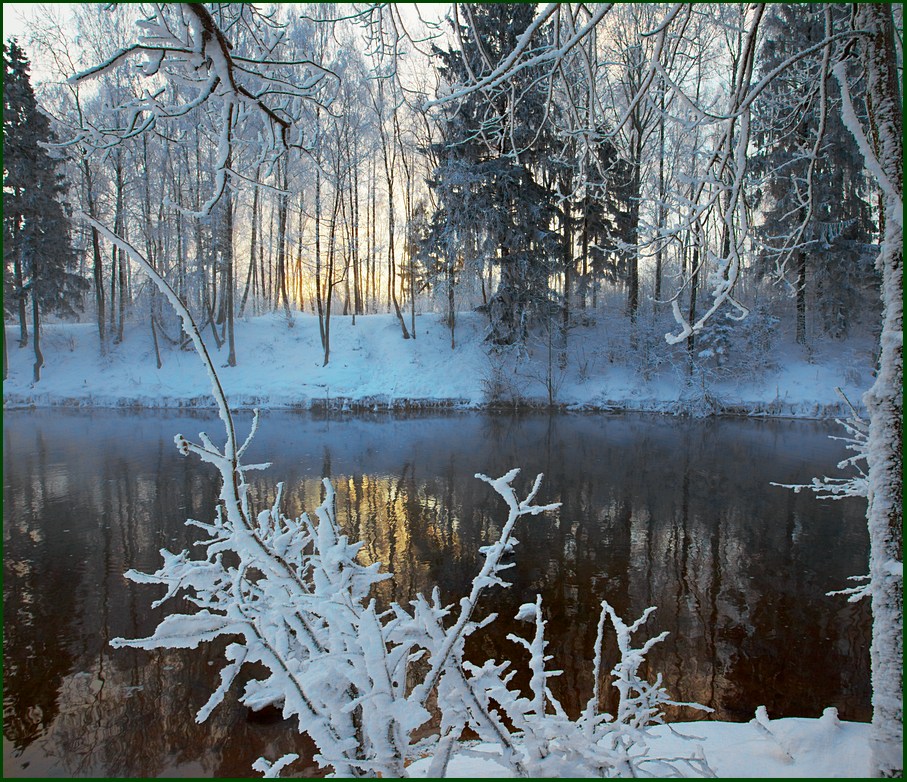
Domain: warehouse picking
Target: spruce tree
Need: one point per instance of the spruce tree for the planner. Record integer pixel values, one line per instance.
(490, 183)
(833, 257)
(38, 258)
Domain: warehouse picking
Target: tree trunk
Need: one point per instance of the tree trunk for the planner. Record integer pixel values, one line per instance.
(272, 295)
(229, 282)
(369, 244)
(319, 305)
(329, 275)
(633, 239)
(568, 276)
(451, 310)
(150, 249)
(372, 261)
(391, 261)
(347, 234)
(118, 273)
(357, 283)
(121, 304)
(98, 267)
(262, 284)
(300, 293)
(884, 400)
(282, 292)
(180, 260)
(412, 293)
(20, 300)
(157, 347)
(660, 209)
(801, 298)
(36, 327)
(251, 274)
(5, 353)
(389, 155)
(410, 248)
(694, 286)
(584, 243)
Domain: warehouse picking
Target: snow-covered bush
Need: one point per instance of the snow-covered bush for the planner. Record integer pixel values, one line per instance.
(760, 335)
(651, 353)
(698, 399)
(730, 350)
(360, 679)
(502, 385)
(291, 595)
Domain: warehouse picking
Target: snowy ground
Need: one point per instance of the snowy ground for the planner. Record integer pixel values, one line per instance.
(788, 748)
(372, 366)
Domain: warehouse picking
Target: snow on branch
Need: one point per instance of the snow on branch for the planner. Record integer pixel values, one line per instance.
(856, 439)
(186, 58)
(184, 43)
(856, 484)
(290, 595)
(852, 123)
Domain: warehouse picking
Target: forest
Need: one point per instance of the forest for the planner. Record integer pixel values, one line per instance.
(352, 196)
(714, 191)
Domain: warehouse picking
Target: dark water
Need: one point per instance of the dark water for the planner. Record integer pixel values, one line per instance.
(656, 511)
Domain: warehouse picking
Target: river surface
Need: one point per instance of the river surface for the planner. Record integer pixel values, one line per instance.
(656, 511)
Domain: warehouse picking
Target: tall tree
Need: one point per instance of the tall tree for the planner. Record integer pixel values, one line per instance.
(884, 156)
(511, 212)
(39, 261)
(812, 188)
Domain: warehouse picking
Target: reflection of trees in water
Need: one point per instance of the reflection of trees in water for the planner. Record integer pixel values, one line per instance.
(74, 521)
(124, 726)
(35, 661)
(686, 522)
(677, 515)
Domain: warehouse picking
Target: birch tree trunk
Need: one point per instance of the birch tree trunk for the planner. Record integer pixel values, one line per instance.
(251, 273)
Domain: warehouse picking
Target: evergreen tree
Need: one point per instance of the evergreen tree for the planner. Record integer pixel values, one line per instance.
(833, 256)
(38, 259)
(490, 182)
(608, 216)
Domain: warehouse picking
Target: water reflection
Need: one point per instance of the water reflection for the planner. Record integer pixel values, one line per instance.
(677, 514)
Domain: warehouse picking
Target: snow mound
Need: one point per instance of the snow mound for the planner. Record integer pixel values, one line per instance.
(792, 747)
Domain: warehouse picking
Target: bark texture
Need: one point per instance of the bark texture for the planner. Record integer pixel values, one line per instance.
(884, 401)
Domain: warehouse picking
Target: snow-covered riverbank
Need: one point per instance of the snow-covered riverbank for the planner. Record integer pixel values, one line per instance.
(372, 367)
(779, 749)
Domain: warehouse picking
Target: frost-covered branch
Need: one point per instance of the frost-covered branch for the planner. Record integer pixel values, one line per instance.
(852, 123)
(856, 439)
(186, 59)
(290, 594)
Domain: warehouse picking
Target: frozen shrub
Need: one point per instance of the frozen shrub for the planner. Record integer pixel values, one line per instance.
(291, 595)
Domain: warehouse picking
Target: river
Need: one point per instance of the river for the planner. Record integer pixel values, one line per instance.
(656, 511)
